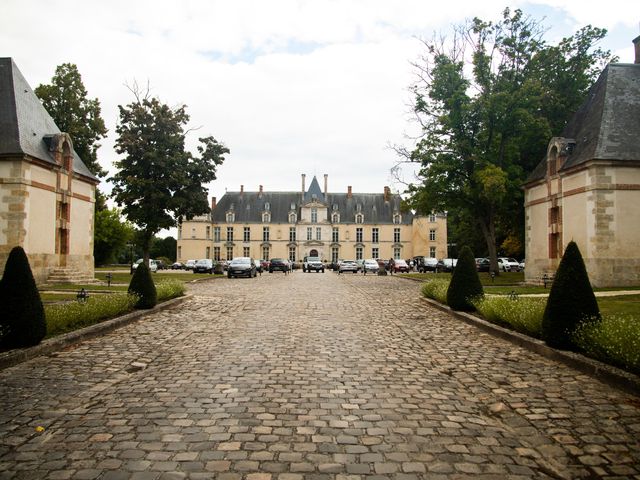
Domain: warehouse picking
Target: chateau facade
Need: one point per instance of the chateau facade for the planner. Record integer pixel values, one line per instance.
(311, 222)
(47, 194)
(587, 188)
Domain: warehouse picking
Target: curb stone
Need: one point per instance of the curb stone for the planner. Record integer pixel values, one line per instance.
(16, 356)
(608, 374)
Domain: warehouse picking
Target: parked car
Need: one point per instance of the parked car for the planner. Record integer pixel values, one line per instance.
(312, 263)
(279, 265)
(447, 264)
(425, 264)
(483, 264)
(264, 264)
(348, 266)
(400, 266)
(204, 265)
(241, 267)
(153, 265)
(522, 265)
(508, 264)
(258, 265)
(190, 264)
(177, 266)
(370, 265)
(161, 265)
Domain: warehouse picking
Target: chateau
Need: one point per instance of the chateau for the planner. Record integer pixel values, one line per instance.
(587, 188)
(47, 194)
(311, 222)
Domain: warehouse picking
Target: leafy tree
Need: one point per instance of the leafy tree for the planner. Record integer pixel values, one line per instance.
(142, 285)
(111, 235)
(483, 107)
(164, 247)
(159, 183)
(66, 101)
(465, 283)
(22, 321)
(571, 300)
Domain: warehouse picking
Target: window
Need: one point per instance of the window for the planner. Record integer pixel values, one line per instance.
(246, 251)
(266, 217)
(292, 234)
(397, 218)
(216, 234)
(396, 235)
(359, 218)
(292, 218)
(208, 233)
(230, 217)
(359, 234)
(396, 253)
(216, 253)
(432, 252)
(229, 253)
(314, 215)
(265, 234)
(208, 252)
(318, 233)
(432, 235)
(265, 253)
(335, 218)
(179, 253)
(432, 218)
(267, 207)
(335, 207)
(358, 253)
(335, 235)
(375, 252)
(292, 254)
(334, 254)
(309, 233)
(179, 234)
(375, 236)
(554, 215)
(193, 232)
(229, 234)
(247, 235)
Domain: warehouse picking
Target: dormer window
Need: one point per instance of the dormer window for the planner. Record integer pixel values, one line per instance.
(266, 217)
(230, 217)
(293, 206)
(359, 218)
(335, 218)
(335, 207)
(397, 218)
(314, 215)
(292, 218)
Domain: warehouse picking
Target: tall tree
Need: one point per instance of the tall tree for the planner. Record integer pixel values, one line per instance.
(159, 183)
(111, 235)
(482, 102)
(66, 101)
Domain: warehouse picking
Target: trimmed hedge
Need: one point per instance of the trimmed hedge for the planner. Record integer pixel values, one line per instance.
(142, 285)
(465, 284)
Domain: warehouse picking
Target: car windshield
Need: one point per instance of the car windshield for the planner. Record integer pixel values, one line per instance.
(202, 262)
(241, 261)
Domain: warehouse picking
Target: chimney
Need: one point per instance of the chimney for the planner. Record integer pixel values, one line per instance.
(303, 188)
(241, 190)
(387, 194)
(260, 190)
(213, 203)
(326, 177)
(349, 194)
(636, 43)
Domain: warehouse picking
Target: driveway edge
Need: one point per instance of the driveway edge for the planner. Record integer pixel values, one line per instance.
(14, 357)
(612, 376)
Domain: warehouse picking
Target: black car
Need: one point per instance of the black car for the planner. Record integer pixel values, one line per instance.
(278, 264)
(241, 267)
(483, 264)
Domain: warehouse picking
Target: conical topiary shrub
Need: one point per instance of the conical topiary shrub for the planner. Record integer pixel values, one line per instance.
(143, 286)
(23, 321)
(465, 283)
(571, 300)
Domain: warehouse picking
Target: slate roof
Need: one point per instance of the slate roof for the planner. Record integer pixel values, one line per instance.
(25, 125)
(248, 207)
(607, 124)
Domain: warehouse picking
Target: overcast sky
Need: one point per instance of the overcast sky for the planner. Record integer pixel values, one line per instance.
(290, 86)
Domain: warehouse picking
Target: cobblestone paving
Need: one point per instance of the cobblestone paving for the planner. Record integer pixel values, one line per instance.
(309, 376)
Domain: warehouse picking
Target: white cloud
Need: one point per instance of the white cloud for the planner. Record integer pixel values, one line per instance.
(291, 86)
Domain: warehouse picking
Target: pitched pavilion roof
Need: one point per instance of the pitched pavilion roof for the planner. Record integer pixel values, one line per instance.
(25, 125)
(607, 124)
(249, 206)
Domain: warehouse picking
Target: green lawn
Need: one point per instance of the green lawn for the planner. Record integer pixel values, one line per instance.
(623, 304)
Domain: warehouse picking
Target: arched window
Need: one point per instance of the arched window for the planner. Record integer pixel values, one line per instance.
(397, 218)
(292, 217)
(230, 217)
(359, 218)
(267, 206)
(335, 218)
(266, 217)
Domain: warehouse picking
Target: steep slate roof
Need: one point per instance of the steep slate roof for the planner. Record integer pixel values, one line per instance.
(249, 206)
(607, 124)
(25, 125)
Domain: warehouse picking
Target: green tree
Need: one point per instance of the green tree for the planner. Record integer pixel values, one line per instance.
(159, 183)
(22, 323)
(571, 300)
(142, 285)
(164, 247)
(111, 235)
(465, 284)
(66, 101)
(482, 105)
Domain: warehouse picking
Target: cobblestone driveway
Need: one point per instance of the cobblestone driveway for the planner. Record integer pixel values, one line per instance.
(309, 376)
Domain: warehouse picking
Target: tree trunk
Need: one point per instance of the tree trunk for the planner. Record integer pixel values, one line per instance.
(489, 231)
